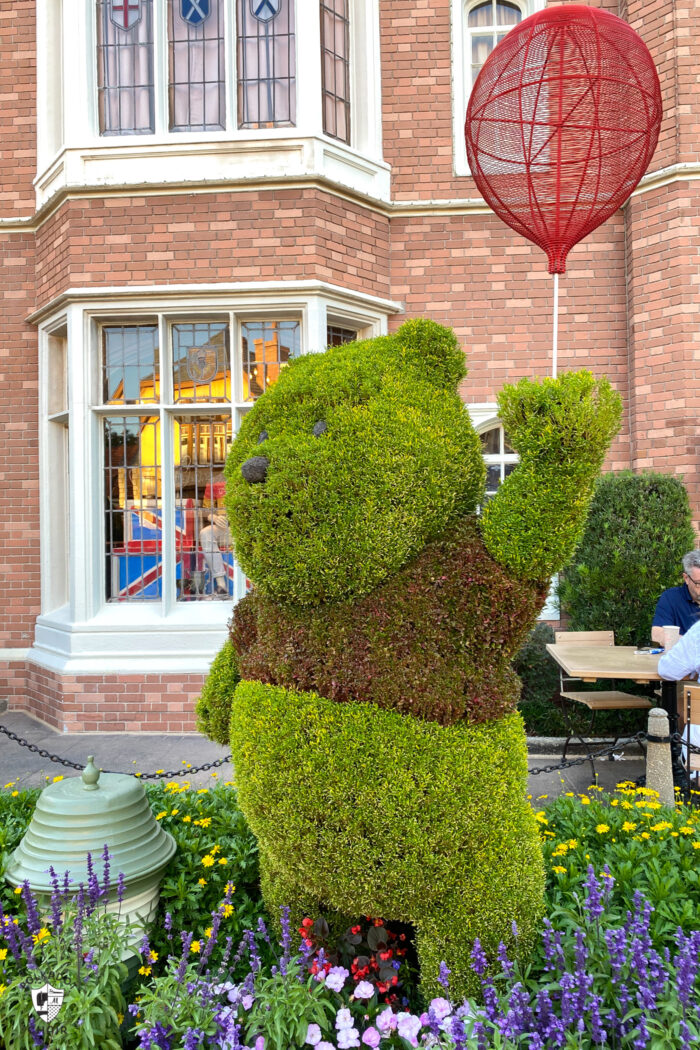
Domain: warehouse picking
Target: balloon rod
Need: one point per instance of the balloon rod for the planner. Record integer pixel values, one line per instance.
(555, 326)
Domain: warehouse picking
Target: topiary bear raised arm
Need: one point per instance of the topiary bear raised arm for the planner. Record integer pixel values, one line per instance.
(562, 429)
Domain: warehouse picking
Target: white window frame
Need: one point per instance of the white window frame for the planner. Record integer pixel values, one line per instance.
(72, 153)
(461, 71)
(78, 631)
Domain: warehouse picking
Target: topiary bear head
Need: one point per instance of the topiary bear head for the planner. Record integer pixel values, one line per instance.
(350, 464)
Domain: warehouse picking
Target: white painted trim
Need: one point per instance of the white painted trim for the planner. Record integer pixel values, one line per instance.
(205, 296)
(14, 655)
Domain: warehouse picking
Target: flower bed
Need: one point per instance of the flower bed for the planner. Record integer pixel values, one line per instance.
(616, 964)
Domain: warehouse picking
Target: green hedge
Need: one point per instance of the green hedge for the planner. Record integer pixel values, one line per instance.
(359, 811)
(638, 530)
(399, 460)
(213, 707)
(562, 429)
(436, 641)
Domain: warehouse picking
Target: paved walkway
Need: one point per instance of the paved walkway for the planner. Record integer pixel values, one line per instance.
(149, 752)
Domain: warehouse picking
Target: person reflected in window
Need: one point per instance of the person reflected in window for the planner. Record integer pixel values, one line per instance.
(212, 538)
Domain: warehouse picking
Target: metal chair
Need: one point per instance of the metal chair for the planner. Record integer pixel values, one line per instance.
(594, 700)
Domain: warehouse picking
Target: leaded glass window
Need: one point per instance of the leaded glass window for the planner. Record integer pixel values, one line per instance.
(267, 346)
(488, 23)
(266, 63)
(500, 459)
(125, 85)
(335, 68)
(197, 88)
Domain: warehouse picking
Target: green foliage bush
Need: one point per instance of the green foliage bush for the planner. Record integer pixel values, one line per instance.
(360, 811)
(399, 461)
(213, 707)
(562, 429)
(647, 847)
(410, 644)
(638, 529)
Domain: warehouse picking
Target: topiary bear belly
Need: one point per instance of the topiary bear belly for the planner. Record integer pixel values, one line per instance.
(436, 641)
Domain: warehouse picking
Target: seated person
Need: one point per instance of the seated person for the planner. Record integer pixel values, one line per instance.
(683, 661)
(679, 606)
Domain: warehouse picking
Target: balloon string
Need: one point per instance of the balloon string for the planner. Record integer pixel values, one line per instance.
(555, 327)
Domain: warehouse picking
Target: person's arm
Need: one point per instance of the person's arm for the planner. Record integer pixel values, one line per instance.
(664, 616)
(683, 660)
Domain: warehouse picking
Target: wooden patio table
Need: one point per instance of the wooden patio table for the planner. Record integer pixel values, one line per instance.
(595, 661)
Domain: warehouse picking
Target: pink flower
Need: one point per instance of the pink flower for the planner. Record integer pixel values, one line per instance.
(371, 1037)
(363, 990)
(313, 1035)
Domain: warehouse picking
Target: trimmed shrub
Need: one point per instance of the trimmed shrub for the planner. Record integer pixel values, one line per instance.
(638, 530)
(341, 511)
(540, 684)
(562, 429)
(436, 641)
(213, 707)
(359, 811)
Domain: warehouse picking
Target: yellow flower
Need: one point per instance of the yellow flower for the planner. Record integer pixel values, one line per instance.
(207, 861)
(227, 911)
(602, 828)
(174, 812)
(646, 835)
(229, 888)
(223, 860)
(674, 834)
(15, 794)
(42, 935)
(215, 775)
(202, 882)
(153, 956)
(214, 849)
(186, 820)
(3, 954)
(573, 843)
(696, 845)
(10, 783)
(628, 826)
(203, 791)
(585, 801)
(18, 889)
(144, 970)
(558, 869)
(120, 1018)
(2, 988)
(228, 783)
(56, 779)
(569, 794)
(207, 932)
(687, 830)
(159, 816)
(625, 805)
(540, 817)
(196, 946)
(614, 802)
(539, 797)
(663, 825)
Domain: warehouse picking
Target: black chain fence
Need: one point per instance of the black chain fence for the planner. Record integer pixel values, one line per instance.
(568, 763)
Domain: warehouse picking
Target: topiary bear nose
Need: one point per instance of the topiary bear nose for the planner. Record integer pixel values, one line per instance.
(255, 469)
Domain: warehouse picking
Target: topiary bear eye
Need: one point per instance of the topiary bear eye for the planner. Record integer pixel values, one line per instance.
(263, 437)
(320, 428)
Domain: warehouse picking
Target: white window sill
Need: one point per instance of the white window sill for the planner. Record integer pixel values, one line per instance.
(218, 158)
(134, 638)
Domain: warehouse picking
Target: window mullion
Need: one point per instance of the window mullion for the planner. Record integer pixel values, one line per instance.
(160, 66)
(167, 476)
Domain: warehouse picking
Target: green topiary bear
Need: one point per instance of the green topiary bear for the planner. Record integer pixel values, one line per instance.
(377, 754)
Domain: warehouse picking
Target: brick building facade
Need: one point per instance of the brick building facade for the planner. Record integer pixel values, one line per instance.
(192, 193)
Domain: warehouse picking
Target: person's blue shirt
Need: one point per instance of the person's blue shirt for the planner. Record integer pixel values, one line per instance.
(676, 608)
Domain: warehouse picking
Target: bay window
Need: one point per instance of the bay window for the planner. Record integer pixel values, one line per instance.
(154, 388)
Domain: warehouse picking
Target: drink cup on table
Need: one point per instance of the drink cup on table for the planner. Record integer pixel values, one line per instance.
(671, 636)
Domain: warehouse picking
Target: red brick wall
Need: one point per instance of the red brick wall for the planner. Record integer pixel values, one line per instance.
(202, 238)
(18, 108)
(156, 703)
(19, 462)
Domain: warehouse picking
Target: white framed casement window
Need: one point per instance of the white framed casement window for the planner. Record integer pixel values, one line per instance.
(161, 91)
(477, 27)
(143, 392)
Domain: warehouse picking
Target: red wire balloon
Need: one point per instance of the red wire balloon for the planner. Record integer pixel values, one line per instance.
(562, 123)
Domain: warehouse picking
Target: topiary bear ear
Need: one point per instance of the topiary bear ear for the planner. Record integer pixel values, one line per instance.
(432, 350)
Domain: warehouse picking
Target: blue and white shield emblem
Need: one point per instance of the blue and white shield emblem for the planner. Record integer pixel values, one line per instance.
(265, 10)
(195, 11)
(124, 14)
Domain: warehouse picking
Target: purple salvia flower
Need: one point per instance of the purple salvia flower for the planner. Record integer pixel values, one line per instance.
(105, 871)
(186, 939)
(262, 930)
(224, 960)
(37, 1036)
(479, 961)
(56, 901)
(193, 1039)
(121, 887)
(615, 942)
(168, 923)
(686, 965)
(598, 1033)
(78, 922)
(33, 920)
(593, 902)
(216, 920)
(481, 1038)
(504, 961)
(553, 951)
(286, 941)
(458, 1033)
(93, 885)
(252, 950)
(642, 1039)
(11, 934)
